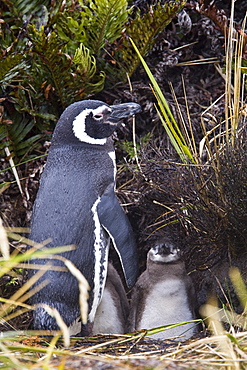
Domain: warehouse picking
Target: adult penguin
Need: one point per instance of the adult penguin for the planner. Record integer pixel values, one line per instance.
(76, 204)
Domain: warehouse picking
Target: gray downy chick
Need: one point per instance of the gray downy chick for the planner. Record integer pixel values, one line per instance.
(112, 312)
(163, 294)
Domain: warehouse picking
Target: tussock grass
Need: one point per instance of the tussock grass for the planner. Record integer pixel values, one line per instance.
(15, 305)
(30, 350)
(166, 116)
(223, 351)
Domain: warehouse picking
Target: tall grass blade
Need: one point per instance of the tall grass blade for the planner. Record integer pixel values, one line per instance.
(4, 243)
(166, 116)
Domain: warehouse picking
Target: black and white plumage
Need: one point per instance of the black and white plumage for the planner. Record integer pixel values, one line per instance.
(163, 294)
(76, 204)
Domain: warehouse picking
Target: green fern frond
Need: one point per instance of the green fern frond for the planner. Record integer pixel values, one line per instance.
(3, 133)
(52, 57)
(17, 136)
(27, 7)
(105, 21)
(70, 28)
(86, 72)
(144, 29)
(72, 78)
(10, 67)
(85, 61)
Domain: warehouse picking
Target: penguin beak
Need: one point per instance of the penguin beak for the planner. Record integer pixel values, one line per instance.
(124, 110)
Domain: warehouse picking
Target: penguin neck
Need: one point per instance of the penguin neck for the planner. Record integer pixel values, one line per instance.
(77, 144)
(167, 270)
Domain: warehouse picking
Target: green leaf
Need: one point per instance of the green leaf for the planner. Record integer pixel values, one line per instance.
(105, 21)
(10, 66)
(70, 28)
(232, 338)
(29, 7)
(144, 29)
(85, 62)
(20, 131)
(166, 116)
(27, 143)
(15, 136)
(86, 72)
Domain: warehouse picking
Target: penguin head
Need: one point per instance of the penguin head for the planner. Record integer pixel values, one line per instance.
(91, 121)
(164, 252)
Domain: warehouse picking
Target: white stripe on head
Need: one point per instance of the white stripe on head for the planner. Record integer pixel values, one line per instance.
(99, 273)
(79, 126)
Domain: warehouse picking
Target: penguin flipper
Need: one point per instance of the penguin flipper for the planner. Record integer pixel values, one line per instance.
(134, 302)
(117, 225)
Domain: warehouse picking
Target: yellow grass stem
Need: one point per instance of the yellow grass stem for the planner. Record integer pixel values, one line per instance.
(4, 243)
(211, 312)
(166, 116)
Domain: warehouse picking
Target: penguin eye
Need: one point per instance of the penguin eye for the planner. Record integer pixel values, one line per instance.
(98, 116)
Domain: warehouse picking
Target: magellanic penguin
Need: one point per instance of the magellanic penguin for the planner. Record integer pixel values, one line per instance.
(163, 294)
(76, 204)
(112, 312)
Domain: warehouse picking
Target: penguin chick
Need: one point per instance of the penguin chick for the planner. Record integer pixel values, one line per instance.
(163, 294)
(112, 312)
(76, 204)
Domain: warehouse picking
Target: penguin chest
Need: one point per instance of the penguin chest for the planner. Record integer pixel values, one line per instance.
(108, 318)
(166, 303)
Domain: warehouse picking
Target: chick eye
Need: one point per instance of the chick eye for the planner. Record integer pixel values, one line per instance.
(98, 116)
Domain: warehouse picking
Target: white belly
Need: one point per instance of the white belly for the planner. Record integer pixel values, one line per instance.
(107, 318)
(167, 304)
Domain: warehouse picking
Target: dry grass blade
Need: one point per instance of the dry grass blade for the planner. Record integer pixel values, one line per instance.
(14, 260)
(53, 312)
(4, 244)
(19, 297)
(230, 317)
(83, 287)
(9, 359)
(197, 62)
(211, 312)
(208, 350)
(240, 288)
(50, 352)
(91, 349)
(11, 162)
(234, 52)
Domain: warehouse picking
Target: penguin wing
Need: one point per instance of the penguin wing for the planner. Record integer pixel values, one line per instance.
(117, 225)
(114, 278)
(192, 298)
(133, 311)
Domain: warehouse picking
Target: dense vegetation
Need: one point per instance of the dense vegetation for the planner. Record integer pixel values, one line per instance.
(54, 53)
